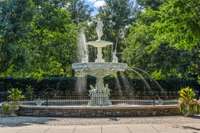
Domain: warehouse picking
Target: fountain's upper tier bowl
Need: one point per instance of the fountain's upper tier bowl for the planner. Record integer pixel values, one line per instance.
(98, 69)
(99, 43)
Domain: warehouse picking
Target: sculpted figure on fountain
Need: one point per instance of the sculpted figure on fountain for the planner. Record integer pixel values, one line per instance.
(99, 29)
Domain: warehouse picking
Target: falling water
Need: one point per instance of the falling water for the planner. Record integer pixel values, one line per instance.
(141, 73)
(130, 85)
(118, 86)
(81, 85)
(126, 83)
(129, 88)
(142, 77)
(154, 81)
(82, 47)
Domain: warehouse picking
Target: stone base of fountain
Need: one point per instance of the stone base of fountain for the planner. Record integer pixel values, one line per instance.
(95, 111)
(99, 97)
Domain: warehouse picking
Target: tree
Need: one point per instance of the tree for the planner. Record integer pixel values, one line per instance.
(165, 41)
(53, 42)
(80, 11)
(37, 40)
(117, 15)
(154, 4)
(14, 27)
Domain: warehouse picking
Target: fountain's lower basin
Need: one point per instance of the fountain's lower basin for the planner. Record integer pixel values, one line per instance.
(79, 108)
(94, 111)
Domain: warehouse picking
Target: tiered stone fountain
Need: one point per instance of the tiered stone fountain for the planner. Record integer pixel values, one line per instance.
(100, 92)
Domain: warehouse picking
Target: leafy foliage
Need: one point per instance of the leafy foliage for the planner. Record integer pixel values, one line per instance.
(38, 40)
(29, 94)
(187, 102)
(166, 36)
(14, 27)
(15, 95)
(117, 15)
(53, 40)
(5, 108)
(80, 11)
(150, 3)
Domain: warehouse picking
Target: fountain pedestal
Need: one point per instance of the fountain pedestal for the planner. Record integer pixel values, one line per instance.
(99, 95)
(99, 55)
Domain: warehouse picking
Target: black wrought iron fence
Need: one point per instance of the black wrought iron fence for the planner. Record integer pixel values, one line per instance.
(76, 100)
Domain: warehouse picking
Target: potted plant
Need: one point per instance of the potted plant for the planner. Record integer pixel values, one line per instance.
(5, 109)
(187, 102)
(15, 95)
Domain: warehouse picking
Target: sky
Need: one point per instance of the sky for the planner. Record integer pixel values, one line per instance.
(96, 3)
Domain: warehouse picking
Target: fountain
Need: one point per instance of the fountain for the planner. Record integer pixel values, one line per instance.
(99, 104)
(99, 94)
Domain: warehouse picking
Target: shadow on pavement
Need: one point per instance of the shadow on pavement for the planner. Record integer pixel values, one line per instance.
(23, 121)
(196, 117)
(192, 128)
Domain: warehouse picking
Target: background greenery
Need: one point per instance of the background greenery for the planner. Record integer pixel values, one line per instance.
(38, 37)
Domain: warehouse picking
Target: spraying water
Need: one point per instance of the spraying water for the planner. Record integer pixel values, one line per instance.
(118, 86)
(154, 81)
(142, 77)
(81, 83)
(82, 47)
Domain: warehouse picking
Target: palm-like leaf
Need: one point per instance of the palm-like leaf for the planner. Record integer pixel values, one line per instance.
(188, 104)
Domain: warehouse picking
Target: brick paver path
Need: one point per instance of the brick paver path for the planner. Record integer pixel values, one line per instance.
(100, 125)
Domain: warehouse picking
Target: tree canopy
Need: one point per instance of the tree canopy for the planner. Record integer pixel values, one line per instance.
(36, 41)
(165, 41)
(117, 16)
(38, 37)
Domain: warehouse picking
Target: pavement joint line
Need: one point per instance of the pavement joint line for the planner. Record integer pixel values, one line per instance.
(101, 129)
(74, 129)
(155, 128)
(129, 130)
(46, 130)
(18, 131)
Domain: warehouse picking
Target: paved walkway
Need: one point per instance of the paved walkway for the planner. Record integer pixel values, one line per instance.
(135, 128)
(100, 125)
